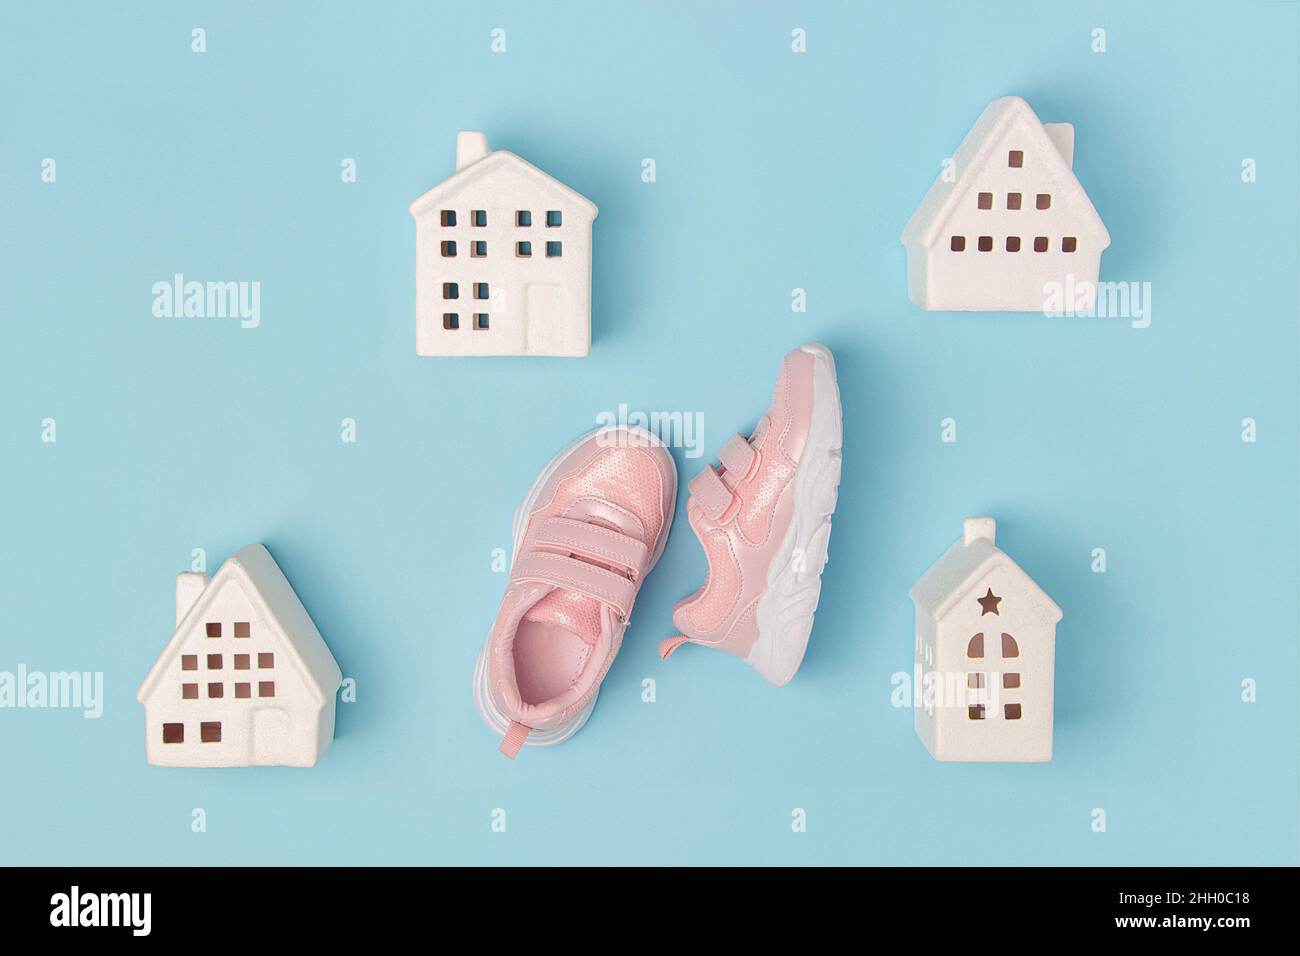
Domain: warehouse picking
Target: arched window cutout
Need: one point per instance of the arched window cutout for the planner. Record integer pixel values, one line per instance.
(1009, 646)
(975, 649)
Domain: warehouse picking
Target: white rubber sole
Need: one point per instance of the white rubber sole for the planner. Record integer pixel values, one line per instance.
(785, 611)
(498, 721)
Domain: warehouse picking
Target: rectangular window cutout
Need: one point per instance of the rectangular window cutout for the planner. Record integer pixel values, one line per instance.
(173, 733)
(243, 629)
(216, 689)
(554, 218)
(1016, 158)
(554, 250)
(482, 291)
(1069, 244)
(449, 249)
(243, 690)
(241, 662)
(1043, 201)
(986, 243)
(1011, 711)
(523, 249)
(210, 731)
(957, 244)
(1040, 243)
(986, 200)
(1013, 200)
(213, 629)
(480, 321)
(478, 217)
(447, 217)
(1013, 243)
(189, 662)
(975, 711)
(266, 688)
(450, 320)
(450, 290)
(214, 662)
(265, 659)
(1011, 680)
(523, 217)
(478, 249)
(189, 691)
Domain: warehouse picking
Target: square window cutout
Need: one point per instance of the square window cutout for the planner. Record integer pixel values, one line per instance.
(478, 217)
(265, 659)
(480, 321)
(214, 662)
(523, 249)
(554, 250)
(449, 249)
(1069, 244)
(957, 244)
(1013, 243)
(523, 218)
(1011, 711)
(1043, 201)
(1016, 158)
(210, 731)
(975, 712)
(450, 290)
(189, 662)
(1013, 200)
(450, 321)
(189, 691)
(985, 200)
(216, 690)
(243, 690)
(173, 733)
(986, 243)
(482, 290)
(1011, 680)
(243, 629)
(213, 629)
(447, 217)
(1040, 243)
(478, 249)
(554, 218)
(241, 662)
(266, 688)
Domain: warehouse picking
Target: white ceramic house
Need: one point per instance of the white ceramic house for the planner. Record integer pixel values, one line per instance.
(985, 654)
(246, 678)
(502, 259)
(1005, 220)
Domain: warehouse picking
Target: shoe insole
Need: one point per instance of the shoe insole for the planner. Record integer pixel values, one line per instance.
(548, 660)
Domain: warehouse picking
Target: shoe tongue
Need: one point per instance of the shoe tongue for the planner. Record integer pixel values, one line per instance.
(577, 613)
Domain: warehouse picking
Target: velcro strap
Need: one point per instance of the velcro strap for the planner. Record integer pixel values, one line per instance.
(737, 456)
(603, 544)
(561, 571)
(713, 497)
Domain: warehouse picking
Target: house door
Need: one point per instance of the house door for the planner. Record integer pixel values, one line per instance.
(270, 734)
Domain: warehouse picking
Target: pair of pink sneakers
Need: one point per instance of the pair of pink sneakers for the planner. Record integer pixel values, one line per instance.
(595, 522)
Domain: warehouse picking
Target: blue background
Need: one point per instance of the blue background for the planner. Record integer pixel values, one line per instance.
(775, 171)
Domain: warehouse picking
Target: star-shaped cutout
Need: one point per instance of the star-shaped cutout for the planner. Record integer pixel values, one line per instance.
(989, 603)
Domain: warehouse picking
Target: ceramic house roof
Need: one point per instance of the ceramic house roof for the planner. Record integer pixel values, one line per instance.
(495, 163)
(254, 570)
(961, 568)
(978, 150)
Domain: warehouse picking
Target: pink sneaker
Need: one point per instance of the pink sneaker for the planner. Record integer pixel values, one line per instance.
(764, 520)
(591, 528)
